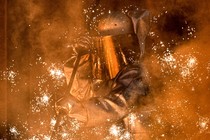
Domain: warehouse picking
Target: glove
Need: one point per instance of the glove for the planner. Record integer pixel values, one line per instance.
(133, 84)
(65, 121)
(70, 106)
(82, 45)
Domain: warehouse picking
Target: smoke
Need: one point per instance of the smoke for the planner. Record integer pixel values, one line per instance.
(177, 59)
(178, 63)
(54, 25)
(38, 33)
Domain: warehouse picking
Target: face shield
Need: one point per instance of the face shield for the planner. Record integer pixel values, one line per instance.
(112, 53)
(119, 41)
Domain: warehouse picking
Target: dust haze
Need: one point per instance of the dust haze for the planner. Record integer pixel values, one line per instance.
(179, 69)
(177, 60)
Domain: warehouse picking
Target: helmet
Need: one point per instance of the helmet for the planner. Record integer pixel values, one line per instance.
(115, 45)
(115, 23)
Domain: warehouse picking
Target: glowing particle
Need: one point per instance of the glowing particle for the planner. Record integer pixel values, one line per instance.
(64, 135)
(126, 136)
(75, 125)
(10, 75)
(114, 130)
(45, 99)
(169, 58)
(46, 137)
(132, 118)
(152, 33)
(203, 123)
(14, 130)
(192, 61)
(185, 72)
(159, 120)
(53, 122)
(208, 66)
(55, 72)
(42, 123)
(162, 44)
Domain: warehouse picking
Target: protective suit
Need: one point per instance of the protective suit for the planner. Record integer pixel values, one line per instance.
(106, 80)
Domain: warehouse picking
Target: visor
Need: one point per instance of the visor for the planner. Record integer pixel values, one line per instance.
(112, 53)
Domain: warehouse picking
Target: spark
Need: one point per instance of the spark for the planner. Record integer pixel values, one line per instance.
(132, 118)
(185, 72)
(114, 130)
(53, 122)
(45, 99)
(162, 44)
(191, 62)
(188, 67)
(208, 66)
(126, 136)
(184, 65)
(75, 125)
(55, 72)
(14, 130)
(46, 137)
(203, 123)
(40, 136)
(152, 34)
(64, 135)
(169, 59)
(159, 120)
(10, 75)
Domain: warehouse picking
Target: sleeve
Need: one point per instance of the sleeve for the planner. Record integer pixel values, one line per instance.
(141, 24)
(77, 68)
(128, 87)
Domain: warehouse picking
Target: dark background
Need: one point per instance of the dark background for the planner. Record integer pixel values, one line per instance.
(35, 35)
